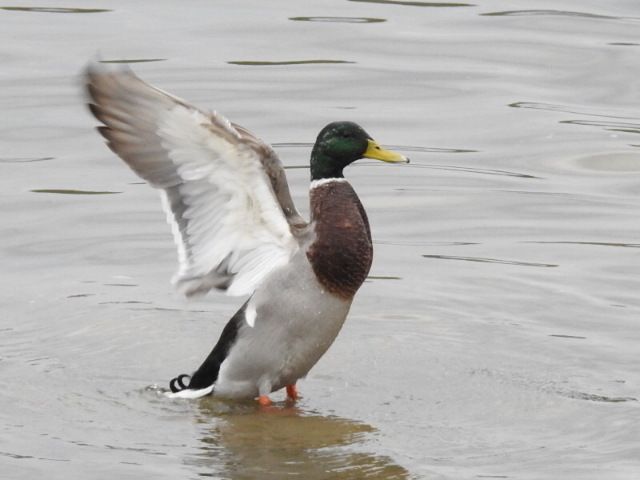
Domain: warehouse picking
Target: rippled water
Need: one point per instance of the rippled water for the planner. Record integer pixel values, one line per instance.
(498, 335)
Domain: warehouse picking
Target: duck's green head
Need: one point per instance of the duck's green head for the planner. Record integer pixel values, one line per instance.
(341, 143)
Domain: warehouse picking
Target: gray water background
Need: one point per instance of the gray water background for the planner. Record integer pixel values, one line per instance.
(499, 333)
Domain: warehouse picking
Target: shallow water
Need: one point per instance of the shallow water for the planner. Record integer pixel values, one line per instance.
(498, 334)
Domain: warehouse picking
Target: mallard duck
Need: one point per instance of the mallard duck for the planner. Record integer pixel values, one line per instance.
(237, 230)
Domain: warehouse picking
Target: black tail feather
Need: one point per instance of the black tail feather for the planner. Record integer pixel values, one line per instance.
(207, 374)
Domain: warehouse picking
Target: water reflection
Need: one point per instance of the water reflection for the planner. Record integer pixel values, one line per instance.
(418, 4)
(599, 244)
(626, 127)
(56, 9)
(491, 260)
(338, 19)
(423, 244)
(241, 441)
(563, 108)
(26, 160)
(574, 337)
(259, 63)
(456, 168)
(68, 191)
(591, 397)
(562, 13)
(133, 60)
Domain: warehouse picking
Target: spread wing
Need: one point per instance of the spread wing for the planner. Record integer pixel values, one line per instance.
(224, 190)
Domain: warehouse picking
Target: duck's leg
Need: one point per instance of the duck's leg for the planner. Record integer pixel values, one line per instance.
(264, 389)
(292, 392)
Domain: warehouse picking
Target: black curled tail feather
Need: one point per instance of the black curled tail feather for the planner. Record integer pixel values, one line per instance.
(176, 384)
(207, 374)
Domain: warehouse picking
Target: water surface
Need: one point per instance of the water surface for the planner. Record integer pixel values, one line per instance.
(497, 336)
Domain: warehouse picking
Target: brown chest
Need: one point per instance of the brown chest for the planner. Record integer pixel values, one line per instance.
(341, 252)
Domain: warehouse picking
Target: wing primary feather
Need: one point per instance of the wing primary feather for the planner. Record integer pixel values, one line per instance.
(224, 190)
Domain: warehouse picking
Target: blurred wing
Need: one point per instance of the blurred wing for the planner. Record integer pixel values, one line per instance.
(224, 190)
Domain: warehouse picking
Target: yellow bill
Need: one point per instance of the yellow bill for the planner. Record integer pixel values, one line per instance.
(376, 152)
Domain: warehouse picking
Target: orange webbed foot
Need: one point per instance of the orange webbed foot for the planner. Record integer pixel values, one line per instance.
(292, 392)
(264, 401)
